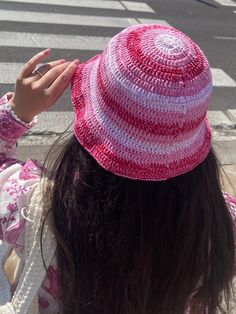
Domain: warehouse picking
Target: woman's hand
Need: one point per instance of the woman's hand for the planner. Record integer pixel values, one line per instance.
(38, 90)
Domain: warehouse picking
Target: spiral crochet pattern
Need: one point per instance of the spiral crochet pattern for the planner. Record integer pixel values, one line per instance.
(140, 106)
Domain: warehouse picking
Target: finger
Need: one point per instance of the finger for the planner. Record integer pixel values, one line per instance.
(52, 75)
(61, 83)
(43, 69)
(29, 67)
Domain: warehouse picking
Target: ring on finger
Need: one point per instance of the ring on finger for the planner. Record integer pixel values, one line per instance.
(38, 72)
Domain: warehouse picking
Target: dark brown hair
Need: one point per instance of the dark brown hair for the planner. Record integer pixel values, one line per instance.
(139, 247)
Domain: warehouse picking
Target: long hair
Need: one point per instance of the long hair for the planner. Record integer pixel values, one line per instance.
(138, 247)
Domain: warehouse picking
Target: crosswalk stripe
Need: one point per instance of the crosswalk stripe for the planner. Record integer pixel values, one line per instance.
(8, 72)
(37, 40)
(96, 4)
(218, 118)
(225, 38)
(229, 3)
(137, 6)
(232, 115)
(220, 78)
(74, 19)
(152, 21)
(68, 19)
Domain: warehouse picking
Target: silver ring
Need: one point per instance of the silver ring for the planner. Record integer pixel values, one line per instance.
(38, 72)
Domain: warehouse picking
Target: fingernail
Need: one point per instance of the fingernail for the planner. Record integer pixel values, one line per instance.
(76, 61)
(62, 60)
(46, 51)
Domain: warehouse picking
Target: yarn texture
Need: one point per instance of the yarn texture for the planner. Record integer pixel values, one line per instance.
(140, 106)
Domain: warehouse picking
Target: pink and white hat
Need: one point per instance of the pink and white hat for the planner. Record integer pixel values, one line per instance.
(140, 106)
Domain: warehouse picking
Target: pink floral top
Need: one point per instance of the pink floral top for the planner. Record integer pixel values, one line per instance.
(17, 182)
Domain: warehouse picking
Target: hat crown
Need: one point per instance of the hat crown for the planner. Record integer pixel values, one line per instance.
(156, 64)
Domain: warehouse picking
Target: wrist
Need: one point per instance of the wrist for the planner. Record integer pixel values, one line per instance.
(22, 116)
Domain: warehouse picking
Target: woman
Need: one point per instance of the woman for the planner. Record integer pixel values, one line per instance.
(133, 198)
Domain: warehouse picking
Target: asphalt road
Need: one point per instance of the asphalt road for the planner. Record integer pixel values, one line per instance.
(23, 32)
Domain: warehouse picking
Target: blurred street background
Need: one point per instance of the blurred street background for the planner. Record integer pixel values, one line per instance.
(81, 28)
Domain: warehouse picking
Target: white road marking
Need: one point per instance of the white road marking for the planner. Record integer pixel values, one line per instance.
(73, 19)
(68, 19)
(232, 114)
(137, 6)
(225, 38)
(218, 118)
(220, 78)
(34, 40)
(9, 71)
(96, 4)
(229, 3)
(153, 21)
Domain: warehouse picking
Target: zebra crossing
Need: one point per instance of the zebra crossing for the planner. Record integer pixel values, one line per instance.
(98, 4)
(74, 19)
(78, 16)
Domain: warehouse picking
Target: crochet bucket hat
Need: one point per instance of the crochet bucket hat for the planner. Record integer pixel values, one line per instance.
(140, 106)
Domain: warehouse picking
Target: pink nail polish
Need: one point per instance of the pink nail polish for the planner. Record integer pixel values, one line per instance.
(46, 51)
